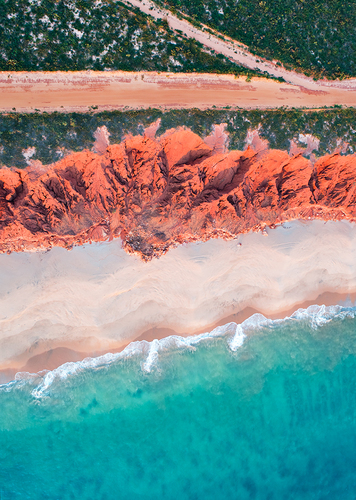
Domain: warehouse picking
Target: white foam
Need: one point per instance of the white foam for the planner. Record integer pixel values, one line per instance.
(152, 357)
(238, 339)
(318, 315)
(235, 335)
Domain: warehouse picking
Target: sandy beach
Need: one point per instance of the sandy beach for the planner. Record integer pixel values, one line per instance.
(80, 91)
(61, 306)
(53, 358)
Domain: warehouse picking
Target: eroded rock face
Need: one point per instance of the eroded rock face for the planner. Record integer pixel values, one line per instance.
(159, 193)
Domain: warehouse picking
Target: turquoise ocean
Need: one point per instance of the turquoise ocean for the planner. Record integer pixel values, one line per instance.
(262, 410)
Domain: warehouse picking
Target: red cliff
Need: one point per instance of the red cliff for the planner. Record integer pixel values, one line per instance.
(159, 193)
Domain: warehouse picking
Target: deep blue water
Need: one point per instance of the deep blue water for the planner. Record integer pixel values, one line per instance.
(273, 419)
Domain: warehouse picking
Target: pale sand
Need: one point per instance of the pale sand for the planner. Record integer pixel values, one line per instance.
(97, 298)
(78, 91)
(53, 358)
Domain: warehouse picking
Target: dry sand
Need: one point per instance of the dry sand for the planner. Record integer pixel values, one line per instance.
(59, 305)
(79, 91)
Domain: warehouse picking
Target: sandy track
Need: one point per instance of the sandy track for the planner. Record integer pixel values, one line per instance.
(232, 49)
(78, 91)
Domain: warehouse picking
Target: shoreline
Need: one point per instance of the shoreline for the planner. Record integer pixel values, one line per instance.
(117, 298)
(86, 91)
(58, 356)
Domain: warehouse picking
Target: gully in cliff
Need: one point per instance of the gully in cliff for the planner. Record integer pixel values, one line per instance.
(157, 193)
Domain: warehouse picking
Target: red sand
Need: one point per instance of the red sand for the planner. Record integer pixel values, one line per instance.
(108, 90)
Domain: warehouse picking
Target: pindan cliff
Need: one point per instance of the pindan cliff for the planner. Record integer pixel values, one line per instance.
(156, 194)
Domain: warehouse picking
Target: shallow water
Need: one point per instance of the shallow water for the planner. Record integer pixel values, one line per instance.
(267, 416)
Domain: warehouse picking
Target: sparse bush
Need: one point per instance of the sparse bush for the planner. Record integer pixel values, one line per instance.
(317, 37)
(82, 34)
(56, 134)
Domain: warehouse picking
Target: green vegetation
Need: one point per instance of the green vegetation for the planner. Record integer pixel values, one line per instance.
(57, 134)
(84, 34)
(317, 37)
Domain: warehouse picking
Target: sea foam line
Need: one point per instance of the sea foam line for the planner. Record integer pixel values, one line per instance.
(235, 335)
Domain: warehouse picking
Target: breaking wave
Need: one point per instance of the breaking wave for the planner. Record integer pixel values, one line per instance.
(149, 353)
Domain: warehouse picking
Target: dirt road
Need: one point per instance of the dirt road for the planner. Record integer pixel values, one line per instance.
(79, 91)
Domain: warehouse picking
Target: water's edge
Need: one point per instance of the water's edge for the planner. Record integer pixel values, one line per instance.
(149, 352)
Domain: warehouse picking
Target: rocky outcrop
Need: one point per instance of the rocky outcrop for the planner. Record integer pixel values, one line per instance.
(156, 194)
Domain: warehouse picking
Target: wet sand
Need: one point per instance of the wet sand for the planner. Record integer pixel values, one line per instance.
(115, 90)
(63, 306)
(53, 358)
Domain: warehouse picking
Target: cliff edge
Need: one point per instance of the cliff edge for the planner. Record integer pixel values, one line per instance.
(157, 193)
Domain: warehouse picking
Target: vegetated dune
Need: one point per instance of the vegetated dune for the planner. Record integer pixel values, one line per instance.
(157, 193)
